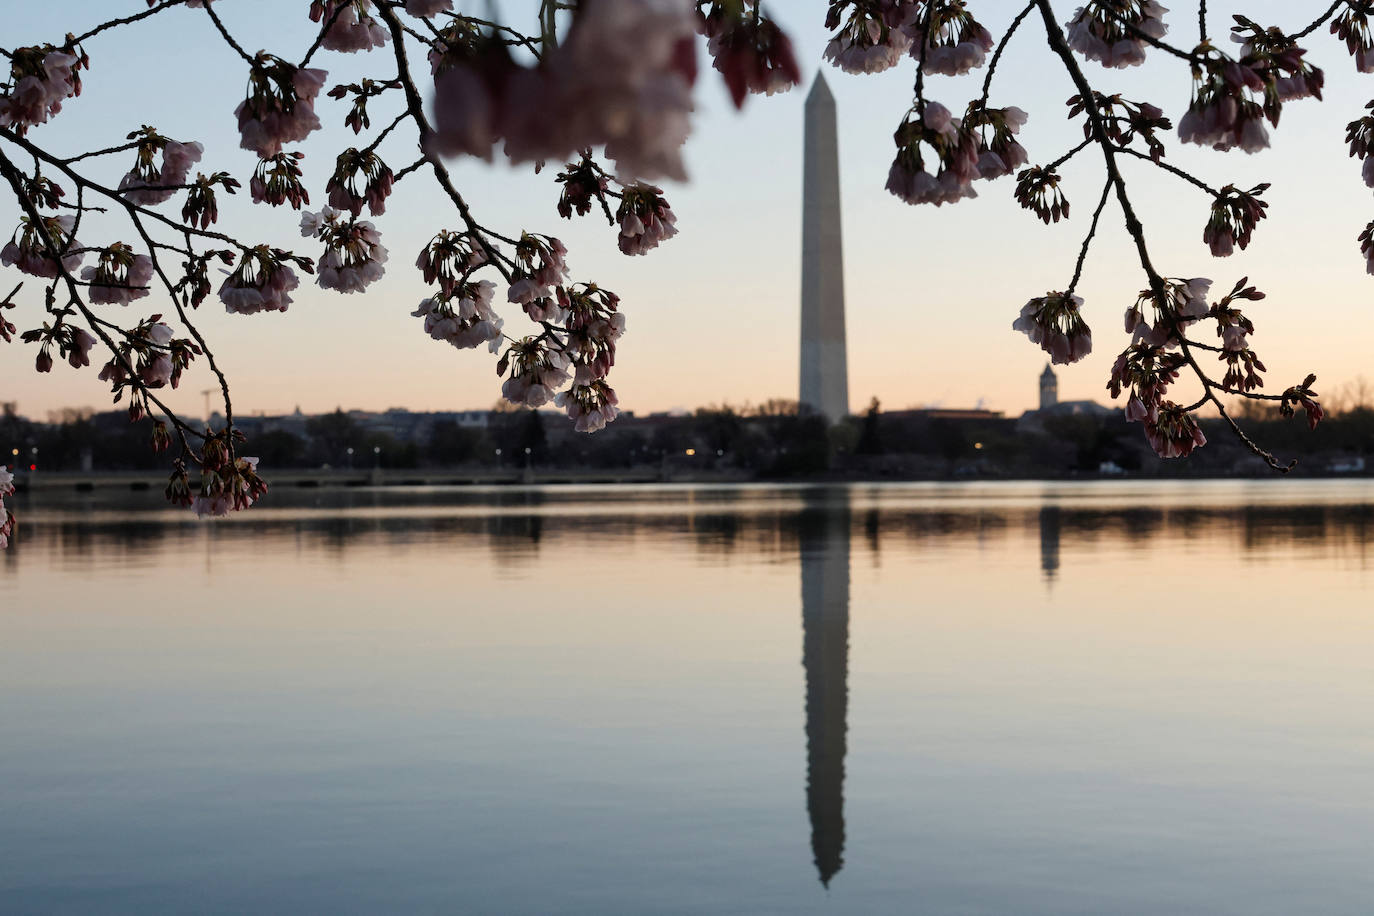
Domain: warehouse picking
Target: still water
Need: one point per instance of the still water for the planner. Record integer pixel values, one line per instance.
(987, 699)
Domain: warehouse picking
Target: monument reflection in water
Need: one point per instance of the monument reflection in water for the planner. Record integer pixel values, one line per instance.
(824, 543)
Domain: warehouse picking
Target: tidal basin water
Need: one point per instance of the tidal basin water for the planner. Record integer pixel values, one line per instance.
(1117, 698)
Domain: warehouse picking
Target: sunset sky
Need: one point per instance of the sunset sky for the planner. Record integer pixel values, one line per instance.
(713, 314)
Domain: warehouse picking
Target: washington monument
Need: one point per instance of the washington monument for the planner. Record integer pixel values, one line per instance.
(824, 369)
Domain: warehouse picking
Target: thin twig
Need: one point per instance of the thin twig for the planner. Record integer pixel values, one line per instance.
(1087, 240)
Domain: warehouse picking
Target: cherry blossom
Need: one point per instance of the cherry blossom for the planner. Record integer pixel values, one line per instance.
(871, 38)
(955, 149)
(645, 219)
(359, 178)
(351, 26)
(947, 39)
(463, 317)
(1054, 321)
(353, 254)
(261, 283)
(590, 406)
(427, 8)
(147, 185)
(751, 52)
(41, 79)
(26, 251)
(1109, 31)
(537, 371)
(621, 79)
(119, 277)
(280, 107)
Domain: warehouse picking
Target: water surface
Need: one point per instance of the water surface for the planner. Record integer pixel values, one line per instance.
(999, 698)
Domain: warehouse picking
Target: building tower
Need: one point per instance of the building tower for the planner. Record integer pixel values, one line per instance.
(824, 367)
(1049, 388)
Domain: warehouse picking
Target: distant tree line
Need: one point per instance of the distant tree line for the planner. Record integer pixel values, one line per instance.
(776, 439)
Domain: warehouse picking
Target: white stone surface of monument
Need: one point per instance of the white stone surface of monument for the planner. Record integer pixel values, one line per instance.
(824, 366)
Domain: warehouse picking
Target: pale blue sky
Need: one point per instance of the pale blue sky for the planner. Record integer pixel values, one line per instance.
(713, 314)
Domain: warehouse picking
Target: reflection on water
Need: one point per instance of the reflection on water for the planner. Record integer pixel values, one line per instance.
(586, 700)
(824, 543)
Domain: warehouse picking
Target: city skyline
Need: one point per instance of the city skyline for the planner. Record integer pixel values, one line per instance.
(713, 314)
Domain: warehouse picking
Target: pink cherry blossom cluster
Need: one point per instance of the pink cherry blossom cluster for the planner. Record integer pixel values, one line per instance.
(353, 252)
(537, 370)
(360, 177)
(1366, 240)
(72, 342)
(1351, 26)
(1110, 31)
(594, 324)
(540, 267)
(1037, 190)
(428, 8)
(1172, 431)
(1145, 373)
(948, 40)
(262, 282)
(7, 520)
(277, 181)
(956, 152)
(870, 36)
(463, 316)
(153, 353)
(1360, 136)
(1185, 303)
(26, 249)
(449, 258)
(645, 219)
(1233, 218)
(41, 79)
(1055, 322)
(7, 328)
(621, 79)
(231, 487)
(350, 26)
(749, 50)
(590, 406)
(582, 183)
(146, 184)
(1233, 98)
(280, 106)
(1278, 60)
(1003, 154)
(1304, 396)
(119, 276)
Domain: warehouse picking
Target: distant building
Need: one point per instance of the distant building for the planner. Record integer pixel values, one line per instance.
(1049, 388)
(1051, 406)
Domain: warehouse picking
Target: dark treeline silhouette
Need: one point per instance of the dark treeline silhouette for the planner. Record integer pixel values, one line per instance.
(775, 440)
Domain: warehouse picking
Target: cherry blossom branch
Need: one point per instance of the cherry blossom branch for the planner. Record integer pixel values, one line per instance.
(1001, 46)
(181, 313)
(229, 39)
(1055, 36)
(1088, 239)
(83, 181)
(12, 174)
(324, 31)
(125, 20)
(415, 108)
(1317, 23)
(1069, 155)
(1173, 169)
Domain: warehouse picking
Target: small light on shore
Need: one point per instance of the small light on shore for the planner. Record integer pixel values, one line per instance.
(691, 452)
